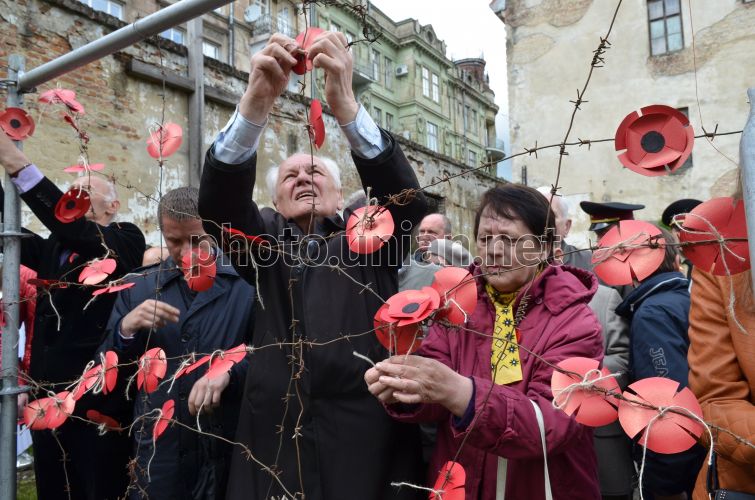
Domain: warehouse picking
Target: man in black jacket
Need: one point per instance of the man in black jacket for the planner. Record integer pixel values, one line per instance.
(66, 335)
(162, 311)
(306, 412)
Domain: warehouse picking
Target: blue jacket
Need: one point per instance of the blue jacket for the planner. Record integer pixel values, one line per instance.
(658, 315)
(185, 465)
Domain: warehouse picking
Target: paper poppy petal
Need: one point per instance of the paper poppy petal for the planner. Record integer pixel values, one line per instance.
(317, 131)
(397, 340)
(301, 65)
(671, 433)
(111, 371)
(152, 368)
(87, 381)
(367, 234)
(592, 408)
(190, 368)
(75, 169)
(109, 422)
(34, 414)
(114, 288)
(162, 423)
(305, 39)
(458, 292)
(451, 482)
(727, 218)
(17, 124)
(59, 409)
(97, 271)
(165, 140)
(621, 266)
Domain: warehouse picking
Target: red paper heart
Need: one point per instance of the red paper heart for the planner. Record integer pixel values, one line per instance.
(450, 483)
(317, 125)
(152, 368)
(727, 218)
(622, 266)
(591, 408)
(367, 233)
(458, 291)
(671, 433)
(162, 422)
(17, 124)
(108, 422)
(97, 271)
(165, 141)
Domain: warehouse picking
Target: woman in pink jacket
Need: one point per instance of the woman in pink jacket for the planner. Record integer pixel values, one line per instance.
(476, 382)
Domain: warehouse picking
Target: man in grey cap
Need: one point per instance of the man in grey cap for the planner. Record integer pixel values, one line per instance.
(572, 256)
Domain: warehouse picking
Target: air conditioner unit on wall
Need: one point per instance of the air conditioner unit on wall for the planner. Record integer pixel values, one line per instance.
(402, 70)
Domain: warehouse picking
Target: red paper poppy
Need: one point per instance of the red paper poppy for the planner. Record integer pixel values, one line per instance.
(74, 204)
(458, 293)
(83, 136)
(305, 40)
(46, 284)
(89, 379)
(75, 169)
(35, 412)
(316, 124)
(162, 422)
(108, 423)
(190, 368)
(17, 124)
(199, 269)
(232, 233)
(397, 322)
(719, 216)
(225, 361)
(110, 364)
(152, 368)
(642, 255)
(64, 96)
(49, 413)
(165, 140)
(368, 233)
(97, 271)
(450, 483)
(591, 407)
(658, 140)
(671, 433)
(113, 288)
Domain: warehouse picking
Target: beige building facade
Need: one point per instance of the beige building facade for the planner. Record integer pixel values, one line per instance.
(650, 60)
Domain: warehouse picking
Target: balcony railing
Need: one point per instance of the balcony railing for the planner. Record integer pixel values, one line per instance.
(272, 24)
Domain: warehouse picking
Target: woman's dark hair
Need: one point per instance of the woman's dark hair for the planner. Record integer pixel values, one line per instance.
(671, 252)
(515, 201)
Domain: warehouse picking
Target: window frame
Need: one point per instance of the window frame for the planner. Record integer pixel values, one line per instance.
(388, 69)
(663, 19)
(175, 29)
(389, 121)
(110, 3)
(432, 139)
(216, 47)
(435, 86)
(375, 62)
(425, 81)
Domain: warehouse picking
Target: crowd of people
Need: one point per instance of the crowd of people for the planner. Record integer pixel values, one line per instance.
(303, 417)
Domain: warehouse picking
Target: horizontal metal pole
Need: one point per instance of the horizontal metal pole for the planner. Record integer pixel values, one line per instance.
(176, 14)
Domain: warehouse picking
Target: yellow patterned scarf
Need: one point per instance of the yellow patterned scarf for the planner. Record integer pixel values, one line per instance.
(505, 364)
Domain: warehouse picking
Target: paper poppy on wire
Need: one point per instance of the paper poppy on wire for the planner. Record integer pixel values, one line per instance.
(73, 205)
(397, 322)
(224, 361)
(657, 140)
(316, 124)
(669, 433)
(199, 269)
(589, 406)
(105, 422)
(113, 288)
(16, 123)
(78, 168)
(88, 380)
(191, 367)
(164, 141)
(46, 284)
(630, 251)
(305, 40)
(368, 228)
(63, 96)
(450, 483)
(152, 368)
(110, 371)
(232, 233)
(96, 271)
(458, 292)
(706, 222)
(166, 413)
(48, 413)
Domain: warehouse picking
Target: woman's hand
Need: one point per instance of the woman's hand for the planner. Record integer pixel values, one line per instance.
(415, 379)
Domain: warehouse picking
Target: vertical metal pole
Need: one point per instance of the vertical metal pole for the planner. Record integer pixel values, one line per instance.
(312, 22)
(196, 101)
(747, 164)
(11, 263)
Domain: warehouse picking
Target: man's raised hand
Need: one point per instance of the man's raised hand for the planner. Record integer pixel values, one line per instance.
(330, 51)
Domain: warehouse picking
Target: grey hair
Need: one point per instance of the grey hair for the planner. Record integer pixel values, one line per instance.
(179, 204)
(111, 195)
(560, 200)
(271, 178)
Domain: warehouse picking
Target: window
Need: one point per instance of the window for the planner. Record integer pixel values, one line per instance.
(665, 18)
(211, 49)
(436, 88)
(174, 34)
(378, 116)
(388, 121)
(335, 27)
(432, 136)
(466, 117)
(284, 21)
(425, 82)
(375, 61)
(474, 120)
(388, 71)
(111, 7)
(472, 158)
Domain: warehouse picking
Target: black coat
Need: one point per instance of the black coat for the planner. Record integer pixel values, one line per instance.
(59, 355)
(185, 465)
(306, 412)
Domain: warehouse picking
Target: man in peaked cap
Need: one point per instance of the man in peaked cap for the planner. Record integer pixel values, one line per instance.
(604, 215)
(683, 206)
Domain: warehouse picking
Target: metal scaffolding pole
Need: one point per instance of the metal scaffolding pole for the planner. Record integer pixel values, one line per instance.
(747, 164)
(19, 83)
(178, 13)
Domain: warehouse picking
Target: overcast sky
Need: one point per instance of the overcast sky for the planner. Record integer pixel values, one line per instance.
(469, 28)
